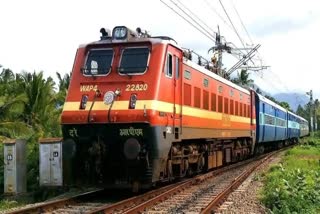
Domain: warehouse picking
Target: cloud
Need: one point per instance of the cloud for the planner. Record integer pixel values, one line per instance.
(278, 25)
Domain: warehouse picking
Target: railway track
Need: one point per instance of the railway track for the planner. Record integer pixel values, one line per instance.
(201, 194)
(80, 203)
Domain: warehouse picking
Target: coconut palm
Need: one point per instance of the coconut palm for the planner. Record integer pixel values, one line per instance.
(12, 101)
(40, 110)
(243, 78)
(63, 88)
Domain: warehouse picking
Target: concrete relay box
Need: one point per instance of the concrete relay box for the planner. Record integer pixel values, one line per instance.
(50, 151)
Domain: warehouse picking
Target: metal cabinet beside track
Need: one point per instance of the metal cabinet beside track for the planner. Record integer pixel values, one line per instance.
(15, 167)
(50, 162)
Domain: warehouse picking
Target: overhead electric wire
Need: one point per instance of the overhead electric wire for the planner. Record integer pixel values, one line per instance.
(216, 12)
(199, 25)
(196, 16)
(209, 37)
(234, 28)
(244, 27)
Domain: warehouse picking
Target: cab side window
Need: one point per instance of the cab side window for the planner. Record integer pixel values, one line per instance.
(177, 67)
(169, 65)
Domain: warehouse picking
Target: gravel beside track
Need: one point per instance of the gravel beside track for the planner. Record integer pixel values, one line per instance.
(246, 198)
(198, 196)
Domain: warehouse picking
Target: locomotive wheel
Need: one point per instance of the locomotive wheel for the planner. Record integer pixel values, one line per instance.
(200, 164)
(185, 167)
(169, 170)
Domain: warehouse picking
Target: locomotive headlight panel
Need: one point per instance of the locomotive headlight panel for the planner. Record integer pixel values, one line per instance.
(133, 101)
(108, 97)
(131, 148)
(84, 100)
(120, 32)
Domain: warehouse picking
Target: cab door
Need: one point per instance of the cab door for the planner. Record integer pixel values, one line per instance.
(174, 62)
(177, 95)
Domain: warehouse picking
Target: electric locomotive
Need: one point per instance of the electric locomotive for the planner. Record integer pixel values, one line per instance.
(139, 111)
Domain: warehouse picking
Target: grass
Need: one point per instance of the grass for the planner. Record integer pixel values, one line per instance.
(6, 204)
(293, 186)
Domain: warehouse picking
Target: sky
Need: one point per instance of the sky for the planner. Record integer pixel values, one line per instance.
(38, 35)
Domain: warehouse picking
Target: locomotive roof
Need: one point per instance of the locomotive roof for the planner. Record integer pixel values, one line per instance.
(133, 40)
(214, 76)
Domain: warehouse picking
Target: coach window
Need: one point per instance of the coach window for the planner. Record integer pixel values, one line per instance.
(187, 75)
(231, 93)
(206, 82)
(169, 65)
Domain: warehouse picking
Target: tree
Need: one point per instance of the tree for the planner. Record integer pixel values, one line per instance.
(285, 105)
(40, 110)
(63, 88)
(12, 101)
(243, 78)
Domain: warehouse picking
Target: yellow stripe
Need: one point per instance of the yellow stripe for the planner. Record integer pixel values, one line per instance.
(155, 105)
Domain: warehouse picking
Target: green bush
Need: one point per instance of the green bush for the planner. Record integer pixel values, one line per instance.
(294, 185)
(7, 204)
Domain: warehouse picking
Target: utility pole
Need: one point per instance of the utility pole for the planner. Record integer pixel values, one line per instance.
(315, 116)
(311, 111)
(218, 44)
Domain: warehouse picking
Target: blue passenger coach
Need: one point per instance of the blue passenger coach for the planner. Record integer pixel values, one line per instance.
(293, 126)
(304, 127)
(271, 120)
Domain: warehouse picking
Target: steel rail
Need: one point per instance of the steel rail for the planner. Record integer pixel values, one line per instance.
(52, 205)
(217, 200)
(141, 202)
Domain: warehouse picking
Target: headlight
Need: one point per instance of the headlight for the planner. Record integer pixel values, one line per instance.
(120, 32)
(131, 148)
(108, 97)
(84, 101)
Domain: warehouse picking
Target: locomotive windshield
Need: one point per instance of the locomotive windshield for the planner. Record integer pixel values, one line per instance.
(134, 60)
(98, 62)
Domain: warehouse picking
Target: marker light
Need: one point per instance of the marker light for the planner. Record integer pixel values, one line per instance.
(120, 32)
(133, 100)
(84, 101)
(108, 97)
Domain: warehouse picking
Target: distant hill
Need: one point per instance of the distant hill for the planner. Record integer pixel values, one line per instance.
(294, 99)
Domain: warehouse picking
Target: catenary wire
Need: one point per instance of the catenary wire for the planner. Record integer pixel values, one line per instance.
(209, 37)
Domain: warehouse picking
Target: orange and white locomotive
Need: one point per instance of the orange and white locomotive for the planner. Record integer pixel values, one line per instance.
(138, 112)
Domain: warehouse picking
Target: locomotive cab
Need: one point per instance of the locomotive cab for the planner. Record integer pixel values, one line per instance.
(114, 114)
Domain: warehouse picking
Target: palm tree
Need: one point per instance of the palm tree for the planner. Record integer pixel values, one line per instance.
(63, 88)
(243, 78)
(12, 101)
(40, 108)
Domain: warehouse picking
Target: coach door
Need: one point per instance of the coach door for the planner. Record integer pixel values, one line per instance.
(174, 61)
